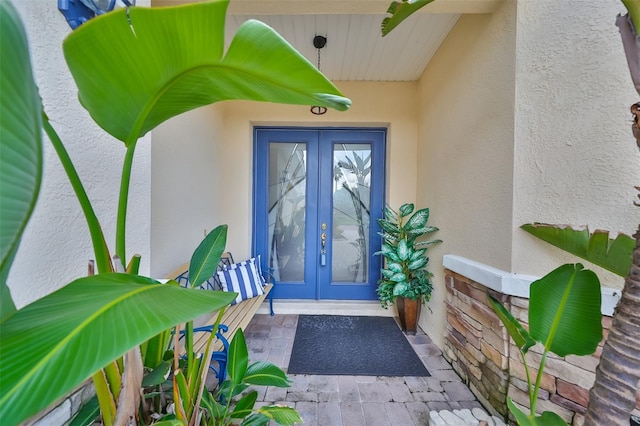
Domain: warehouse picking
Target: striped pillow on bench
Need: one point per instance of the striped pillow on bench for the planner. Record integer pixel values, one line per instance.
(243, 278)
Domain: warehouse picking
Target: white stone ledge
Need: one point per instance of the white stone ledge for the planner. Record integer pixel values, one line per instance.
(512, 284)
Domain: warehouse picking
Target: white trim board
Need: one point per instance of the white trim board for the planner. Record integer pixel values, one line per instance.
(327, 307)
(510, 283)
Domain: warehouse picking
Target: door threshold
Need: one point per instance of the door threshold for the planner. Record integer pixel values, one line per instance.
(327, 307)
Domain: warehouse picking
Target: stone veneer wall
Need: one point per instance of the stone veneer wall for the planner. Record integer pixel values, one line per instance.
(481, 352)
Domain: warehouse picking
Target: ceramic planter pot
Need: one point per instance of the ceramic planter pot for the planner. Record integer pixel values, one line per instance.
(409, 314)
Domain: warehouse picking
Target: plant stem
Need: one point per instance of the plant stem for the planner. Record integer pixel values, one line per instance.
(633, 7)
(100, 248)
(122, 203)
(536, 390)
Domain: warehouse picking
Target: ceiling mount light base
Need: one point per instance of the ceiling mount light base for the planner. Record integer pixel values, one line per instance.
(319, 41)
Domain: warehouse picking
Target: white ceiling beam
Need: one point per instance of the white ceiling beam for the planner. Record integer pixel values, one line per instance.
(345, 7)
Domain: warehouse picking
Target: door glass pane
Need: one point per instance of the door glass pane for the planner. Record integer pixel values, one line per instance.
(287, 193)
(351, 207)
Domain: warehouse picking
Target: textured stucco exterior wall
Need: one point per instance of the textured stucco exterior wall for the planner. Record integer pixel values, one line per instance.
(56, 245)
(374, 104)
(465, 148)
(189, 188)
(575, 159)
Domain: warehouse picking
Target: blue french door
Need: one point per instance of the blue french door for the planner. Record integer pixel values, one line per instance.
(317, 195)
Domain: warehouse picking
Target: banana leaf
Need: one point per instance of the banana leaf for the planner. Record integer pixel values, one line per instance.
(399, 12)
(136, 69)
(66, 336)
(20, 143)
(614, 255)
(564, 311)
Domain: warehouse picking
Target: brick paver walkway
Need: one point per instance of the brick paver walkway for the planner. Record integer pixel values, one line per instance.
(357, 400)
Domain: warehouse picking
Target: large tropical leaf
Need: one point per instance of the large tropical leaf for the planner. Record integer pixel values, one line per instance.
(136, 71)
(564, 311)
(20, 142)
(598, 248)
(418, 220)
(52, 345)
(282, 414)
(399, 12)
(206, 257)
(264, 373)
(238, 358)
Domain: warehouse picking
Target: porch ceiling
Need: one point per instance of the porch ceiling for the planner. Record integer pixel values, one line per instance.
(355, 50)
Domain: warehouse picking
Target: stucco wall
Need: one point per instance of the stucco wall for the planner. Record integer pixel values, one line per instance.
(576, 161)
(465, 149)
(189, 185)
(56, 245)
(374, 104)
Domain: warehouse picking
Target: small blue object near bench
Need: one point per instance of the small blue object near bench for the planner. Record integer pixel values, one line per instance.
(247, 280)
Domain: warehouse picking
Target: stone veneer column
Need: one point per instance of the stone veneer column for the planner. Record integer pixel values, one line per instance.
(476, 342)
(482, 353)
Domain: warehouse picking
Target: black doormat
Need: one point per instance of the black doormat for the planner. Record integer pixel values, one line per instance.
(352, 346)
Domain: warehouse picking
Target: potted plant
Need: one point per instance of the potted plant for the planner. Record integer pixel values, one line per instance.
(405, 279)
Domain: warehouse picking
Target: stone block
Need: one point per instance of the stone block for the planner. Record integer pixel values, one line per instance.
(520, 302)
(308, 411)
(435, 419)
(475, 371)
(418, 411)
(521, 314)
(400, 392)
(477, 356)
(569, 405)
(498, 338)
(351, 413)
(375, 392)
(329, 413)
(397, 413)
(466, 415)
(470, 290)
(522, 399)
(497, 376)
(495, 356)
(484, 314)
(375, 414)
(570, 373)
(516, 368)
(523, 386)
(458, 391)
(587, 362)
(464, 324)
(429, 396)
(573, 392)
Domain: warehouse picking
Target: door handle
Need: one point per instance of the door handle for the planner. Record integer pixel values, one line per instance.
(323, 242)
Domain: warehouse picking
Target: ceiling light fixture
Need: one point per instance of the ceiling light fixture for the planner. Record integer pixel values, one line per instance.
(319, 42)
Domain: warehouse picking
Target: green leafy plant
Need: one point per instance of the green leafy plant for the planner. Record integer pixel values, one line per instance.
(405, 272)
(564, 317)
(234, 399)
(614, 255)
(134, 69)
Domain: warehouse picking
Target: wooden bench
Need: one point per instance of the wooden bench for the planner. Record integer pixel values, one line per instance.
(234, 317)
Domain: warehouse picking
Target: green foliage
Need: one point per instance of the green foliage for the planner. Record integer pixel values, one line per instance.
(206, 257)
(597, 247)
(229, 401)
(405, 272)
(59, 330)
(400, 11)
(21, 159)
(178, 57)
(564, 316)
(133, 72)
